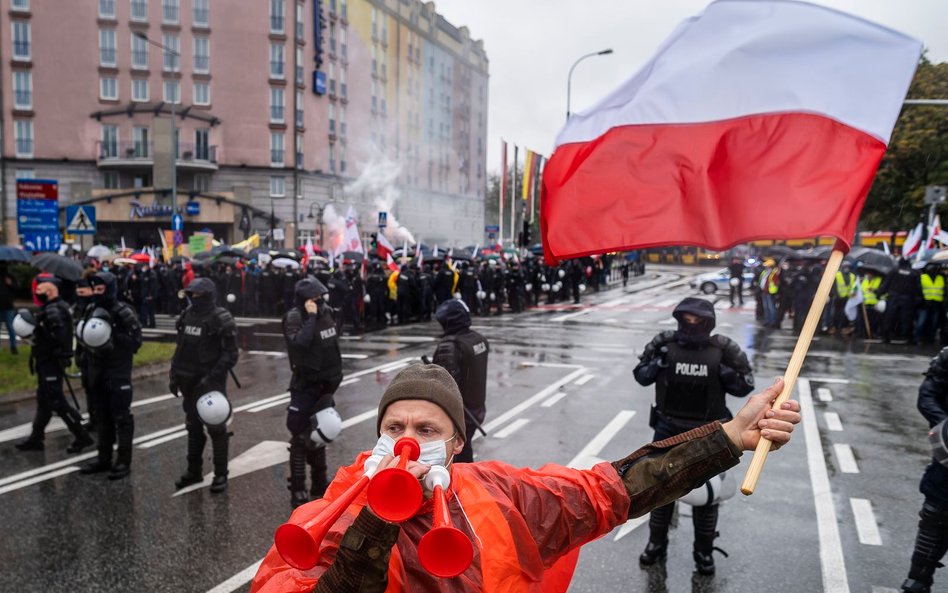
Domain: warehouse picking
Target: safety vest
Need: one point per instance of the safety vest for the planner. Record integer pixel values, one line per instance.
(844, 286)
(773, 282)
(933, 289)
(869, 288)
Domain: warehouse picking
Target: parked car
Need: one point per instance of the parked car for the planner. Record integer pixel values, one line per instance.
(712, 282)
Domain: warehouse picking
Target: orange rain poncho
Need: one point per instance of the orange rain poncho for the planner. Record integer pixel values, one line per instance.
(527, 526)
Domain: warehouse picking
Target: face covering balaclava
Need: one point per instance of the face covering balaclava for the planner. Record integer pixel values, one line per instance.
(203, 295)
(111, 288)
(694, 334)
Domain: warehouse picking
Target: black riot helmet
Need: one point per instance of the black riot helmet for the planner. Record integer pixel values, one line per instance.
(699, 332)
(203, 295)
(308, 288)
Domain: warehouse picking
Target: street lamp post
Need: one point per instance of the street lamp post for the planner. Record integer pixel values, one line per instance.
(569, 78)
(319, 220)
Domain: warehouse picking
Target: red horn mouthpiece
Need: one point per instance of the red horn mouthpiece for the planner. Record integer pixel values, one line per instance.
(394, 494)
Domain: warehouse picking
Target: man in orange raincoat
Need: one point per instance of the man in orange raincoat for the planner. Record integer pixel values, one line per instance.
(526, 525)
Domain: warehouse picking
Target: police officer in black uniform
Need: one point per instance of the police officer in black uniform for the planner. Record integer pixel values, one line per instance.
(463, 352)
(52, 350)
(312, 342)
(206, 352)
(931, 541)
(692, 371)
(110, 367)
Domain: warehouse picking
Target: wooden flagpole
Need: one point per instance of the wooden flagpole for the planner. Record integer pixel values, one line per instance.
(795, 364)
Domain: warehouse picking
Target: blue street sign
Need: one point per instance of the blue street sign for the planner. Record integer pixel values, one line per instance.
(319, 82)
(177, 222)
(383, 219)
(192, 208)
(80, 220)
(37, 213)
(492, 228)
(41, 241)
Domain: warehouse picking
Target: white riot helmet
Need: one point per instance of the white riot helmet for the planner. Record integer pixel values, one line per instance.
(561, 273)
(481, 295)
(24, 323)
(367, 299)
(528, 287)
(327, 424)
(96, 332)
(938, 439)
(582, 288)
(213, 408)
(231, 297)
(880, 306)
(718, 489)
(545, 287)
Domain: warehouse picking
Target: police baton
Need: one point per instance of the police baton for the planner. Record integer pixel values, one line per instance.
(467, 413)
(234, 377)
(71, 392)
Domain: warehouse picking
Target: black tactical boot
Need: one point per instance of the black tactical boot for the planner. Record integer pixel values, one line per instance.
(219, 443)
(124, 432)
(931, 542)
(219, 484)
(95, 466)
(317, 465)
(654, 552)
(82, 441)
(31, 444)
(297, 480)
(705, 520)
(913, 586)
(659, 521)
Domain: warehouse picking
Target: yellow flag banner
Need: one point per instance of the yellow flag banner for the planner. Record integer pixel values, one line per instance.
(528, 174)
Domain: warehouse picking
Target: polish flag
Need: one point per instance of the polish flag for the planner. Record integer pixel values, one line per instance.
(934, 233)
(912, 241)
(754, 120)
(390, 262)
(383, 246)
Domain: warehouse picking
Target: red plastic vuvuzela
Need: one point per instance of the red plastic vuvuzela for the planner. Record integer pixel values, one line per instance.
(297, 546)
(444, 551)
(394, 494)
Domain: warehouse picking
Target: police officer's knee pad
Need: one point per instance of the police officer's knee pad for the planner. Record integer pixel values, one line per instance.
(298, 442)
(218, 431)
(297, 422)
(934, 514)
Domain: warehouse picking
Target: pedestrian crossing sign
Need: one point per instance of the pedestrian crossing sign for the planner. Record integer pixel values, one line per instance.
(80, 220)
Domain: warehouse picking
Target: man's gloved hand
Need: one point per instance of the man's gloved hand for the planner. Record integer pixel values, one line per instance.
(662, 357)
(173, 386)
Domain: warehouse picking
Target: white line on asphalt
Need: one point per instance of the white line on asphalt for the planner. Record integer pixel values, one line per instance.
(824, 394)
(158, 433)
(832, 421)
(268, 405)
(611, 320)
(238, 580)
(552, 365)
(829, 379)
(511, 428)
(164, 439)
(721, 305)
(539, 396)
(355, 356)
(667, 322)
(163, 332)
(382, 368)
(37, 479)
(569, 316)
(47, 468)
(349, 381)
(883, 590)
(831, 548)
(592, 449)
(629, 526)
(667, 302)
(584, 379)
(360, 418)
(273, 353)
(865, 522)
(846, 459)
(552, 401)
(259, 402)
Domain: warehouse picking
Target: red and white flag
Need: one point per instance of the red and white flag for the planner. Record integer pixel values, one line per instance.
(419, 256)
(383, 246)
(912, 241)
(390, 262)
(754, 120)
(934, 234)
(350, 238)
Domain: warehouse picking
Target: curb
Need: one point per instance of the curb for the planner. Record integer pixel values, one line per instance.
(141, 372)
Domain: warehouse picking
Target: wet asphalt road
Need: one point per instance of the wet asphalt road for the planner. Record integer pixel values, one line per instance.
(835, 511)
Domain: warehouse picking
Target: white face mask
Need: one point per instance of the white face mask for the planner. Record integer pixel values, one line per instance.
(432, 453)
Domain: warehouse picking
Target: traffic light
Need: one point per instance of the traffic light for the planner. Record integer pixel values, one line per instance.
(374, 240)
(525, 235)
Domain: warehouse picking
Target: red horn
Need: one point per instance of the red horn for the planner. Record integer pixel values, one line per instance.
(394, 494)
(297, 546)
(444, 551)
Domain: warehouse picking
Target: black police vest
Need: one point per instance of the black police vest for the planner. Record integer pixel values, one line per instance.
(473, 383)
(690, 387)
(56, 341)
(199, 342)
(322, 360)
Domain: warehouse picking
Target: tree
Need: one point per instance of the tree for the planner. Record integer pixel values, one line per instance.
(917, 156)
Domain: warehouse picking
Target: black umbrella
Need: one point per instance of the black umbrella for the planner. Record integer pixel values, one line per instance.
(202, 256)
(227, 250)
(227, 260)
(356, 256)
(58, 265)
(873, 258)
(8, 253)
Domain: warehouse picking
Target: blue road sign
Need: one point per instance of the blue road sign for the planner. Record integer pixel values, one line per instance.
(192, 208)
(383, 219)
(177, 222)
(80, 220)
(37, 213)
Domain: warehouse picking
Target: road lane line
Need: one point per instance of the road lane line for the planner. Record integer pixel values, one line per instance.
(538, 397)
(667, 302)
(832, 421)
(238, 580)
(259, 402)
(569, 316)
(268, 405)
(824, 394)
(355, 356)
(158, 433)
(360, 418)
(866, 525)
(846, 459)
(584, 379)
(37, 479)
(272, 353)
(552, 401)
(629, 526)
(382, 368)
(164, 439)
(592, 449)
(511, 428)
(832, 563)
(830, 379)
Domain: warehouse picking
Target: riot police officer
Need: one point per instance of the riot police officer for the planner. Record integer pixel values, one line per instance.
(52, 350)
(463, 352)
(312, 342)
(931, 541)
(206, 352)
(692, 371)
(112, 334)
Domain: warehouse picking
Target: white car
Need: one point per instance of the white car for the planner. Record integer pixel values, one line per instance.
(712, 282)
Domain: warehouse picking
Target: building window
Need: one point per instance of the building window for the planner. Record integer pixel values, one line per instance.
(139, 10)
(107, 47)
(342, 158)
(22, 89)
(202, 54)
(276, 60)
(277, 153)
(332, 119)
(202, 144)
(299, 109)
(109, 142)
(277, 187)
(140, 145)
(332, 158)
(106, 9)
(139, 52)
(342, 83)
(108, 88)
(172, 92)
(344, 9)
(299, 151)
(299, 66)
(344, 43)
(202, 93)
(140, 89)
(172, 57)
(276, 16)
(332, 79)
(277, 103)
(23, 138)
(299, 22)
(202, 182)
(202, 13)
(21, 40)
(20, 4)
(342, 122)
(110, 179)
(170, 12)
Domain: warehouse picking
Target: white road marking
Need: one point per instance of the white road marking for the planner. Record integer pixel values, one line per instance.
(569, 316)
(511, 428)
(238, 580)
(382, 368)
(37, 479)
(349, 381)
(355, 356)
(586, 458)
(667, 302)
(831, 379)
(261, 401)
(866, 525)
(611, 320)
(272, 353)
(824, 394)
(846, 459)
(552, 401)
(47, 468)
(552, 365)
(584, 379)
(832, 421)
(538, 397)
(629, 526)
(667, 322)
(883, 590)
(268, 405)
(162, 440)
(360, 418)
(831, 548)
(722, 305)
(262, 455)
(158, 433)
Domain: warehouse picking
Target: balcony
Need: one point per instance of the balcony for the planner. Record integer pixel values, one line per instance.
(137, 155)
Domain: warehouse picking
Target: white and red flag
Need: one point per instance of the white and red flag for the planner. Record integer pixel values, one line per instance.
(913, 241)
(753, 120)
(934, 234)
(383, 246)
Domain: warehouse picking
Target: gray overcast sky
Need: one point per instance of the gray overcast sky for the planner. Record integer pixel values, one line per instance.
(532, 43)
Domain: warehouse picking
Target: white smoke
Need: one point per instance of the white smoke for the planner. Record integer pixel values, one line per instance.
(335, 224)
(378, 182)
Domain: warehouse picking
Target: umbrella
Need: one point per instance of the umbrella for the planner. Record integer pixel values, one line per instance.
(778, 251)
(180, 259)
(8, 253)
(285, 262)
(356, 256)
(58, 265)
(142, 258)
(227, 250)
(99, 252)
(203, 255)
(228, 260)
(873, 258)
(941, 256)
(124, 261)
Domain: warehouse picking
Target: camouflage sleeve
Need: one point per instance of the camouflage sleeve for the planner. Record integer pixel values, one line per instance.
(361, 563)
